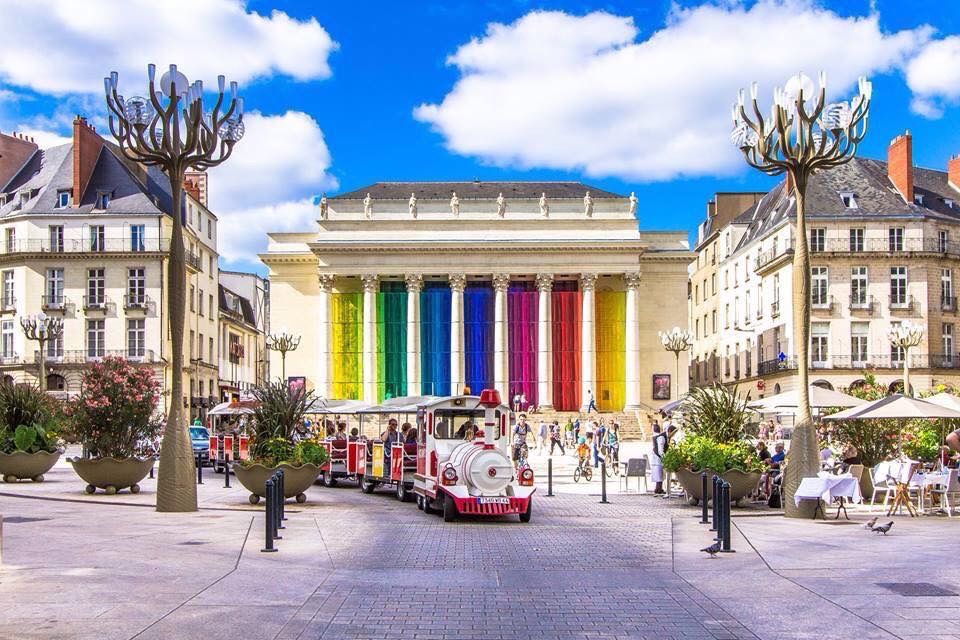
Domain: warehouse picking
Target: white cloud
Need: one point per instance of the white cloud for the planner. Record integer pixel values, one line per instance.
(42, 137)
(58, 46)
(268, 182)
(934, 77)
(582, 93)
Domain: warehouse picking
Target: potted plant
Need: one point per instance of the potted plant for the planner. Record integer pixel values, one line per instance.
(115, 418)
(29, 433)
(715, 421)
(274, 445)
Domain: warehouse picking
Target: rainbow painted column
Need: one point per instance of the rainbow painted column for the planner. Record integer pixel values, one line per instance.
(346, 339)
(565, 318)
(391, 341)
(610, 323)
(435, 339)
(478, 320)
(522, 321)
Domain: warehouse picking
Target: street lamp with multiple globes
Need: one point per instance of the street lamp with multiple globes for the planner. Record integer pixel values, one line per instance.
(283, 342)
(676, 341)
(171, 129)
(904, 336)
(804, 134)
(41, 328)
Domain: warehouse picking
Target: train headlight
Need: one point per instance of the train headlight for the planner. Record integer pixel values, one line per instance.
(526, 477)
(449, 476)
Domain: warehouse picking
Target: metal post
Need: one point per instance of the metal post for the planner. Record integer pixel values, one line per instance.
(721, 514)
(704, 519)
(152, 466)
(725, 543)
(275, 514)
(715, 505)
(268, 519)
(603, 482)
(283, 497)
(226, 474)
(199, 470)
(549, 477)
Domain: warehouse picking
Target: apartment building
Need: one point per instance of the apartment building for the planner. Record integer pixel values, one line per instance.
(84, 235)
(884, 240)
(244, 314)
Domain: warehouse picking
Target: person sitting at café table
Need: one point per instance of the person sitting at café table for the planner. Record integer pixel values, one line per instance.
(776, 460)
(764, 454)
(851, 456)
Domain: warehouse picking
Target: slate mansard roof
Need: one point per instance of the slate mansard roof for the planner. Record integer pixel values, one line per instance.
(875, 196)
(133, 189)
(476, 190)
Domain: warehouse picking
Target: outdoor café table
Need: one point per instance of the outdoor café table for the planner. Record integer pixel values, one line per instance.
(924, 483)
(825, 488)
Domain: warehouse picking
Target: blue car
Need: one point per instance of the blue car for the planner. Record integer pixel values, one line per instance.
(200, 439)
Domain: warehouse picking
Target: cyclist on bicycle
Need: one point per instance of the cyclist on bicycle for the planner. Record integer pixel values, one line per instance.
(613, 442)
(583, 452)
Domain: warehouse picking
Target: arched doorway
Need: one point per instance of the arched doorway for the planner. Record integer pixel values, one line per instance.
(56, 382)
(823, 384)
(857, 384)
(897, 387)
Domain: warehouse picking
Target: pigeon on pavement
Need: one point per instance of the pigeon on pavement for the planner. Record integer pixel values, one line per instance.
(869, 523)
(882, 528)
(713, 549)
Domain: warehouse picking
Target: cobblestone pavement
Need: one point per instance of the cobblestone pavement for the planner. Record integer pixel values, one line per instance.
(367, 566)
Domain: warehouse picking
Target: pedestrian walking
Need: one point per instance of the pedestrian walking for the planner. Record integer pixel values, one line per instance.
(523, 402)
(591, 403)
(555, 438)
(542, 432)
(599, 441)
(576, 429)
(656, 458)
(516, 403)
(568, 433)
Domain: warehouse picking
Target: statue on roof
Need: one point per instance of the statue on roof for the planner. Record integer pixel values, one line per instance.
(588, 205)
(413, 205)
(455, 205)
(633, 203)
(324, 206)
(368, 207)
(501, 205)
(544, 207)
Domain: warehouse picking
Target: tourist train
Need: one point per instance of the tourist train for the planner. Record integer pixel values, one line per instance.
(457, 462)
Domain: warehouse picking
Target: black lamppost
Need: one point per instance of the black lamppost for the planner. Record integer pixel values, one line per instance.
(283, 342)
(171, 129)
(41, 328)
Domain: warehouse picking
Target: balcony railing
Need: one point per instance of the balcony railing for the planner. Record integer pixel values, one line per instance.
(822, 303)
(81, 356)
(883, 245)
(775, 308)
(133, 301)
(768, 256)
(901, 303)
(862, 303)
(948, 303)
(108, 245)
(8, 304)
(193, 260)
(96, 303)
(866, 361)
(768, 367)
(9, 358)
(53, 303)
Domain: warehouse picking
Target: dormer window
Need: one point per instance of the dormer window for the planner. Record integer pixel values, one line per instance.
(63, 198)
(918, 199)
(849, 201)
(948, 202)
(103, 200)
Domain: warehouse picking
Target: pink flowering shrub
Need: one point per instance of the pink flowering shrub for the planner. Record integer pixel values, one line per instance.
(114, 413)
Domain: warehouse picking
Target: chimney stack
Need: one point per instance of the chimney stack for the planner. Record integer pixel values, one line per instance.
(900, 165)
(953, 172)
(86, 151)
(195, 182)
(15, 150)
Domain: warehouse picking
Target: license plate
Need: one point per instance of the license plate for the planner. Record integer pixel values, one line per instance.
(494, 500)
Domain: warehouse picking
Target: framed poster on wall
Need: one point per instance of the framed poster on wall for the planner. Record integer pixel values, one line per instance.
(661, 386)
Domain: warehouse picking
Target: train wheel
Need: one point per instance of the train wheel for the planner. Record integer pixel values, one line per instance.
(420, 502)
(329, 480)
(449, 509)
(401, 492)
(367, 486)
(525, 516)
(428, 506)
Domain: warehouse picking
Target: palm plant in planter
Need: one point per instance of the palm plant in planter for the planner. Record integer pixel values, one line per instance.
(279, 411)
(115, 418)
(29, 433)
(715, 420)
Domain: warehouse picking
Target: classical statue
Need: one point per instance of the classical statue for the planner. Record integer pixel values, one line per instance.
(588, 205)
(501, 205)
(323, 206)
(544, 207)
(368, 207)
(633, 203)
(455, 204)
(413, 205)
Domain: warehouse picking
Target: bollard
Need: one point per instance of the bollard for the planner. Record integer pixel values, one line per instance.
(715, 519)
(275, 512)
(725, 542)
(721, 517)
(226, 474)
(268, 519)
(549, 477)
(199, 469)
(283, 497)
(704, 519)
(603, 482)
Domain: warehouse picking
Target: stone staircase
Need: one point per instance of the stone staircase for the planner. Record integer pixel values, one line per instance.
(634, 425)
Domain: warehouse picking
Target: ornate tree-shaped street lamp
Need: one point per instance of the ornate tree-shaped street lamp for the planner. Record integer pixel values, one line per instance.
(904, 336)
(41, 328)
(171, 129)
(804, 134)
(283, 342)
(676, 341)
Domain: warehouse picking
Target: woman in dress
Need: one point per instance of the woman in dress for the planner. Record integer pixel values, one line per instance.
(656, 458)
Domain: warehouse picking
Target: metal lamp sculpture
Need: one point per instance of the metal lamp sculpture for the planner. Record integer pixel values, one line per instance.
(283, 342)
(171, 129)
(42, 329)
(677, 341)
(804, 134)
(904, 336)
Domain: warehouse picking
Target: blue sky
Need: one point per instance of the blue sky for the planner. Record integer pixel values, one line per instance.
(625, 96)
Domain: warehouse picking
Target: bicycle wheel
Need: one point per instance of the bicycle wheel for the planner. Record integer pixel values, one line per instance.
(609, 469)
(576, 474)
(588, 474)
(616, 467)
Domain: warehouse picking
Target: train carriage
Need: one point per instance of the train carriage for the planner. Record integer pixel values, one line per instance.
(463, 460)
(393, 465)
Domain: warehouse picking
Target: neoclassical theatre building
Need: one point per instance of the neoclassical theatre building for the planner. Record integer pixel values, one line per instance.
(546, 289)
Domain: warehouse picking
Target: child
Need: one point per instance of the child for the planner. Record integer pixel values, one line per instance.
(583, 450)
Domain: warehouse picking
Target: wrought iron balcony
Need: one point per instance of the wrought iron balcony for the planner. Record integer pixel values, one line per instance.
(82, 356)
(862, 303)
(136, 301)
(53, 303)
(106, 245)
(8, 304)
(821, 303)
(96, 303)
(901, 303)
(948, 303)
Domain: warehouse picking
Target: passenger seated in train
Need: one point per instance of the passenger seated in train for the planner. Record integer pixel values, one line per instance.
(390, 437)
(354, 433)
(329, 431)
(341, 431)
(467, 426)
(411, 436)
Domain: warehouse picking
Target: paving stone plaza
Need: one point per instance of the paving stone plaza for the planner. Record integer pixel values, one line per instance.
(367, 566)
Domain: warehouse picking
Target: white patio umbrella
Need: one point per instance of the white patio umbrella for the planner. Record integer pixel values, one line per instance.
(897, 407)
(945, 399)
(819, 398)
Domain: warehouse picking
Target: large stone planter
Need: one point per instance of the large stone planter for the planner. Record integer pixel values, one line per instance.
(112, 474)
(27, 466)
(741, 484)
(296, 480)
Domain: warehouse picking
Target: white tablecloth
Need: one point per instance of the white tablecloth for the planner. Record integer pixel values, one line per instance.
(928, 479)
(827, 487)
